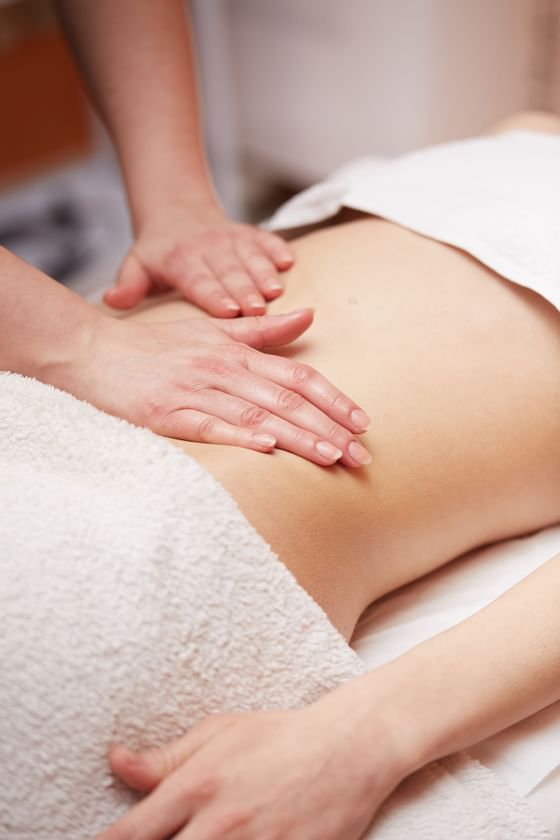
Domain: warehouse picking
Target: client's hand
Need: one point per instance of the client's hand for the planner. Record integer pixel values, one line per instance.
(224, 268)
(282, 775)
(204, 380)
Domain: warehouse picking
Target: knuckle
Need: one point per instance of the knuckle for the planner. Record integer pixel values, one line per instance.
(302, 438)
(203, 788)
(156, 409)
(207, 429)
(243, 287)
(338, 435)
(198, 282)
(302, 375)
(289, 400)
(230, 267)
(241, 353)
(175, 256)
(212, 365)
(254, 416)
(336, 400)
(180, 259)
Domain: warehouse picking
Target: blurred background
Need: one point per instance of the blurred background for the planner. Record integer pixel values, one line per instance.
(290, 90)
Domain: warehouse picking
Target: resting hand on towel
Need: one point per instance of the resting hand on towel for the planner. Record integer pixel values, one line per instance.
(197, 379)
(289, 774)
(322, 772)
(136, 56)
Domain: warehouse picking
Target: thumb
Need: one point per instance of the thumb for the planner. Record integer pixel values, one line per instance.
(144, 770)
(261, 331)
(141, 770)
(133, 284)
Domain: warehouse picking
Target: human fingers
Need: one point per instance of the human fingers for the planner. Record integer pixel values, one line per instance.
(259, 266)
(196, 281)
(311, 433)
(304, 380)
(133, 284)
(162, 813)
(277, 249)
(267, 330)
(205, 427)
(217, 417)
(226, 266)
(143, 770)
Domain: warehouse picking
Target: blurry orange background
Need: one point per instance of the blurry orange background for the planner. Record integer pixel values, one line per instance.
(45, 119)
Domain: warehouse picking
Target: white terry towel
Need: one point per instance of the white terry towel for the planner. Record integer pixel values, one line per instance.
(135, 599)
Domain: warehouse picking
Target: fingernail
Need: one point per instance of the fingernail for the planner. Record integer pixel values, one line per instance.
(358, 453)
(328, 451)
(231, 305)
(274, 286)
(255, 303)
(266, 441)
(132, 758)
(360, 419)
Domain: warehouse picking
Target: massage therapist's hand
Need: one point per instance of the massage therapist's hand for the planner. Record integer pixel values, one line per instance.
(308, 774)
(224, 268)
(206, 380)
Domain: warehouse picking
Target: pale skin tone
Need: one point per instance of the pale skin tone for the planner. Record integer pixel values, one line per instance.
(136, 55)
(165, 376)
(460, 372)
(137, 58)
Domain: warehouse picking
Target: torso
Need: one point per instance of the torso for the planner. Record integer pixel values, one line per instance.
(459, 370)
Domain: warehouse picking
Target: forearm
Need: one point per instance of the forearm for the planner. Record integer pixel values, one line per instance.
(485, 674)
(137, 58)
(44, 327)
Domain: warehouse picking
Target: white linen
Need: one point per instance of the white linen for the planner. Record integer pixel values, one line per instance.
(498, 198)
(495, 197)
(527, 753)
(135, 599)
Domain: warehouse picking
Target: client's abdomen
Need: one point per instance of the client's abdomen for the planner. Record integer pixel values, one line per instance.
(460, 371)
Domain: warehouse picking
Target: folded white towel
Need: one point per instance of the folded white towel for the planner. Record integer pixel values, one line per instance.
(495, 197)
(135, 598)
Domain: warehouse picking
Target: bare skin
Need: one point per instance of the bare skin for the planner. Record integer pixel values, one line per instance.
(459, 371)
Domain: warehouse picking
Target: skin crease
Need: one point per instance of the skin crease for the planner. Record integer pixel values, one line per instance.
(137, 58)
(459, 371)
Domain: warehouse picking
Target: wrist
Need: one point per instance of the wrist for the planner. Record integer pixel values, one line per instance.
(371, 741)
(414, 705)
(399, 721)
(65, 359)
(45, 329)
(183, 195)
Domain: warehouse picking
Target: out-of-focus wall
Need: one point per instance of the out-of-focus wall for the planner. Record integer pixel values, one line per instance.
(321, 81)
(45, 118)
(317, 82)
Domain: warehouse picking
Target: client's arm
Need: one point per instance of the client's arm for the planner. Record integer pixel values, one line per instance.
(322, 772)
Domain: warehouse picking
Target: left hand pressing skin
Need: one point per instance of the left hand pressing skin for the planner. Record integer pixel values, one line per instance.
(227, 269)
(205, 380)
(306, 774)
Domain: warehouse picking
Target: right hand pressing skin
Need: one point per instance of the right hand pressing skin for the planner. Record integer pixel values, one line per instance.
(205, 380)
